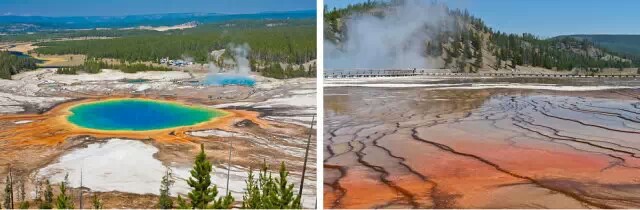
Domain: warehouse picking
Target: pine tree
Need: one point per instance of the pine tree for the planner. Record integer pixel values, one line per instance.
(165, 201)
(24, 204)
(8, 190)
(38, 196)
(467, 50)
(455, 49)
(48, 197)
(252, 197)
(267, 192)
(97, 204)
(200, 180)
(182, 204)
(63, 201)
(284, 192)
(478, 62)
(202, 193)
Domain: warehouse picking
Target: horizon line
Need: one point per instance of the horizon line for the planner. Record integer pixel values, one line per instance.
(149, 14)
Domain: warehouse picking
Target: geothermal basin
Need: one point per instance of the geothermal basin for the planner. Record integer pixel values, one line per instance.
(138, 115)
(123, 165)
(421, 144)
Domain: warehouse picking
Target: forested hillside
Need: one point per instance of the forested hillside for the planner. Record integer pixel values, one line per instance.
(562, 53)
(67, 34)
(473, 46)
(75, 34)
(629, 44)
(289, 43)
(11, 64)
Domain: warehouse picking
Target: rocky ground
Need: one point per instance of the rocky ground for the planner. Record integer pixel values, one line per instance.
(126, 171)
(481, 145)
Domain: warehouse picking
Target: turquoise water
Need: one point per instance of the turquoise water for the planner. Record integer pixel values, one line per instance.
(138, 115)
(229, 79)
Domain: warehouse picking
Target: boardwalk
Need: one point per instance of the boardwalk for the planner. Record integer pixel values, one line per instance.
(359, 73)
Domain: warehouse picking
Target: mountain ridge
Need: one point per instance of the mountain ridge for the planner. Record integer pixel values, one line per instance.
(622, 43)
(25, 24)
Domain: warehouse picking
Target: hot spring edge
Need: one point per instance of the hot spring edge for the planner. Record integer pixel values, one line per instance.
(138, 115)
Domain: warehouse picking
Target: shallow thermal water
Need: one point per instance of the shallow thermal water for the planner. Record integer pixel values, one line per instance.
(229, 79)
(481, 148)
(138, 115)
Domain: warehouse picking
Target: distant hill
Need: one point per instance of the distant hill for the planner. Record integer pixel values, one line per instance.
(23, 24)
(626, 44)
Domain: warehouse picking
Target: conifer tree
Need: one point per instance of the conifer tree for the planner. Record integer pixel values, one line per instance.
(182, 204)
(478, 62)
(63, 201)
(48, 197)
(455, 49)
(38, 196)
(97, 204)
(252, 197)
(165, 201)
(8, 190)
(267, 192)
(285, 196)
(467, 50)
(203, 194)
(24, 204)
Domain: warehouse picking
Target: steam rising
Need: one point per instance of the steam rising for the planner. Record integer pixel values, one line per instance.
(394, 39)
(230, 71)
(187, 58)
(238, 65)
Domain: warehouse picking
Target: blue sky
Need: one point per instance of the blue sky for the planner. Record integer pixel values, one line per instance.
(549, 18)
(130, 7)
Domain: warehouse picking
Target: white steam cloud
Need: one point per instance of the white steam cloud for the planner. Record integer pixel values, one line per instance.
(188, 58)
(230, 71)
(238, 65)
(393, 38)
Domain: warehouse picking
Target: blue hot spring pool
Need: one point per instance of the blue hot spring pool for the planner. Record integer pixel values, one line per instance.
(229, 79)
(138, 115)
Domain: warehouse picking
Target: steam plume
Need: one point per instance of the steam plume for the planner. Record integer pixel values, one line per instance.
(238, 65)
(230, 71)
(396, 38)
